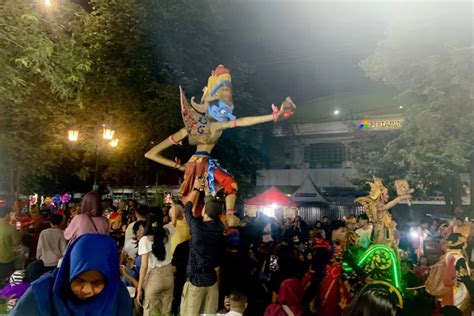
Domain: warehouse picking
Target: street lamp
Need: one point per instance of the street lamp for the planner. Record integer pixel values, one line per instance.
(73, 135)
(114, 142)
(107, 135)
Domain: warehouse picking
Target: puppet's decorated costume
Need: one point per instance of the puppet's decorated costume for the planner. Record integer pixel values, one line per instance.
(204, 123)
(197, 118)
(376, 206)
(455, 275)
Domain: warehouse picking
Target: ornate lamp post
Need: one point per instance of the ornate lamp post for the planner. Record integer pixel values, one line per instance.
(107, 135)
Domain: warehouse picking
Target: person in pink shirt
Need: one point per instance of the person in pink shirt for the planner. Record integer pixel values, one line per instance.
(89, 220)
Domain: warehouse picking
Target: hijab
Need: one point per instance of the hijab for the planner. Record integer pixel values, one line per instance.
(91, 204)
(290, 294)
(97, 252)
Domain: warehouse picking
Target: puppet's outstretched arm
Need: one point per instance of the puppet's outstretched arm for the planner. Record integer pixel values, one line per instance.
(286, 111)
(396, 200)
(155, 153)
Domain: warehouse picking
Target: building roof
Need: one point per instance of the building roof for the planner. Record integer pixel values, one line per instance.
(376, 103)
(308, 192)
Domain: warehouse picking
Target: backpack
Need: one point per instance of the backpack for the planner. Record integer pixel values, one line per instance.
(434, 284)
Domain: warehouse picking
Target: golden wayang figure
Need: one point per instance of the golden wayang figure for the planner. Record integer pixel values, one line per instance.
(203, 125)
(376, 205)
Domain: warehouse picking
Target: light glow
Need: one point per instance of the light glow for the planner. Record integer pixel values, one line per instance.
(114, 142)
(414, 234)
(270, 210)
(73, 135)
(108, 134)
(337, 112)
(47, 3)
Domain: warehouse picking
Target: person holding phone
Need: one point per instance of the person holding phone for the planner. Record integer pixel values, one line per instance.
(201, 292)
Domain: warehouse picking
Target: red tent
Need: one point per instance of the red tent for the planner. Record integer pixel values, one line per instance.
(271, 196)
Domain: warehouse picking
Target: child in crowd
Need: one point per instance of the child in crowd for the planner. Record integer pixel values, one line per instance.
(235, 304)
(51, 244)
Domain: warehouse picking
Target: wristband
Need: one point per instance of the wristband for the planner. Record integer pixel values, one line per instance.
(276, 112)
(171, 138)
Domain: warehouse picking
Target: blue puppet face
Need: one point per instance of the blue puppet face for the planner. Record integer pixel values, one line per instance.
(221, 111)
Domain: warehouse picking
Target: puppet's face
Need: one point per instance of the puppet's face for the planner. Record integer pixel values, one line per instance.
(385, 195)
(225, 94)
(221, 111)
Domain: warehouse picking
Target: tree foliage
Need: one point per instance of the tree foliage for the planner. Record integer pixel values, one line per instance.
(120, 65)
(435, 68)
(44, 65)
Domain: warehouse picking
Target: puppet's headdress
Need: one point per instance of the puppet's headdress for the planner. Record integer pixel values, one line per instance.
(376, 188)
(220, 77)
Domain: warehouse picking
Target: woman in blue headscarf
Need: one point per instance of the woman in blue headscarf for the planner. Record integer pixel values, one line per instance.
(86, 283)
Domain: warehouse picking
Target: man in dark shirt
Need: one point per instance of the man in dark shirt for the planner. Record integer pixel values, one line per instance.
(180, 262)
(201, 293)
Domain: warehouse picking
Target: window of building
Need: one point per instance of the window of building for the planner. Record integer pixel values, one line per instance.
(328, 155)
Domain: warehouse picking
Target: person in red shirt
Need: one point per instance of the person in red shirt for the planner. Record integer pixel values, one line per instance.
(289, 300)
(422, 270)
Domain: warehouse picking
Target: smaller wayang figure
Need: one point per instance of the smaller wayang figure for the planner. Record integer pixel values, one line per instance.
(203, 125)
(377, 206)
(450, 279)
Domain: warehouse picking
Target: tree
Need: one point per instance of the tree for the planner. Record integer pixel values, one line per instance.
(44, 66)
(431, 62)
(119, 64)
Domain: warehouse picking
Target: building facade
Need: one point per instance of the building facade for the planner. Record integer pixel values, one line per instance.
(320, 151)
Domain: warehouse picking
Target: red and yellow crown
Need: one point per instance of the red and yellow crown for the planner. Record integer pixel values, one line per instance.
(220, 77)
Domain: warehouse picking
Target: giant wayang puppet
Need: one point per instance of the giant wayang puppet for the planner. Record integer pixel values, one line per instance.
(203, 125)
(377, 207)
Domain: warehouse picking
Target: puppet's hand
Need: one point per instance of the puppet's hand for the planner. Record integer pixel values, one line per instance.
(285, 111)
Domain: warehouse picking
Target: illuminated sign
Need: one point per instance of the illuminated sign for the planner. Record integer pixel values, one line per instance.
(381, 124)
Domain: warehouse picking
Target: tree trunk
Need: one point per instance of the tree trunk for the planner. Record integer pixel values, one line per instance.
(452, 192)
(12, 182)
(16, 177)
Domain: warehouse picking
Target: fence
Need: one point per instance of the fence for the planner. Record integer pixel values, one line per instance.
(311, 214)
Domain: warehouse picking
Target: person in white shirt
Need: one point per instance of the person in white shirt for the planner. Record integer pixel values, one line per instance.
(364, 232)
(51, 244)
(156, 280)
(236, 303)
(141, 214)
(130, 248)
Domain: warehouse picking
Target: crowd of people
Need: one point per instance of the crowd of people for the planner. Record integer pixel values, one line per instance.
(136, 260)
